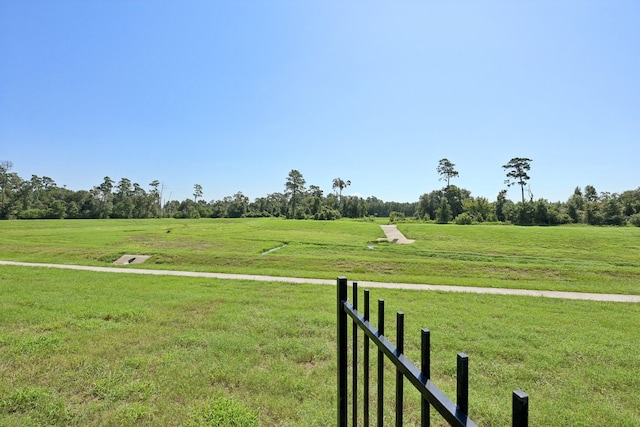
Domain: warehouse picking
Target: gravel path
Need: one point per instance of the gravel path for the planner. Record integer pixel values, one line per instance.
(362, 284)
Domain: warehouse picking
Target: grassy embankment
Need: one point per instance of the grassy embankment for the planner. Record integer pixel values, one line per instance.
(583, 259)
(80, 348)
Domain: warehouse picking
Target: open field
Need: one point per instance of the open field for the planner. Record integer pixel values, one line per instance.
(84, 348)
(581, 259)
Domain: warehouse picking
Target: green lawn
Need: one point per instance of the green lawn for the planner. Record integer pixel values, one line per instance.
(582, 259)
(82, 348)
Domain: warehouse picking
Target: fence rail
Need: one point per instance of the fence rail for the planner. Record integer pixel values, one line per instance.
(456, 414)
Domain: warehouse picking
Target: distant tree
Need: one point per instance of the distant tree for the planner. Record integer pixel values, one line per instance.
(354, 207)
(428, 204)
(375, 206)
(238, 206)
(103, 196)
(525, 213)
(339, 184)
(197, 192)
(518, 168)
(479, 209)
(36, 187)
(455, 197)
(592, 214)
(446, 170)
(577, 191)
(188, 209)
(541, 213)
(501, 201)
(630, 200)
(123, 205)
(276, 204)
(143, 205)
(612, 210)
(590, 194)
(48, 183)
(315, 194)
(155, 198)
(294, 187)
(124, 187)
(575, 205)
(5, 167)
(170, 208)
(443, 215)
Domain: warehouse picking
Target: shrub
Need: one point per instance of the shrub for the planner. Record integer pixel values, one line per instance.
(635, 220)
(326, 213)
(464, 219)
(396, 216)
(32, 214)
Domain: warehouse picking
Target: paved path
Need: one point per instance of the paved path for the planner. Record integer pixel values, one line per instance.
(394, 235)
(362, 284)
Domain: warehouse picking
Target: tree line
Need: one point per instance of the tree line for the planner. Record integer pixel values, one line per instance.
(584, 206)
(41, 198)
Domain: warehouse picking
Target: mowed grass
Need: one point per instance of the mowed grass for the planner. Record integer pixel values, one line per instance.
(83, 348)
(582, 259)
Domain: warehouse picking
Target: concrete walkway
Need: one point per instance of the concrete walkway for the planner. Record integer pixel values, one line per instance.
(394, 235)
(362, 284)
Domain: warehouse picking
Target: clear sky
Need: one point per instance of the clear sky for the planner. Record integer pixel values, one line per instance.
(234, 94)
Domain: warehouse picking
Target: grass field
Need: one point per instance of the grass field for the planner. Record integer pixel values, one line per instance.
(582, 259)
(83, 348)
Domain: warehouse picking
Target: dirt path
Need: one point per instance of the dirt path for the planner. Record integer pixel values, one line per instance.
(394, 235)
(362, 284)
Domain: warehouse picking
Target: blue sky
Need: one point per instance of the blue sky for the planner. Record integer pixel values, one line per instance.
(232, 95)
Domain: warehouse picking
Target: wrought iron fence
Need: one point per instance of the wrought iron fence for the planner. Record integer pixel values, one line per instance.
(456, 414)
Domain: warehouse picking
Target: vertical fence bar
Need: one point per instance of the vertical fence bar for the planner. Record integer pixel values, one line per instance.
(365, 367)
(380, 366)
(342, 352)
(354, 351)
(520, 409)
(520, 400)
(425, 415)
(463, 383)
(399, 376)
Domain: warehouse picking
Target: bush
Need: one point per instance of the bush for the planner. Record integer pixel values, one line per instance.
(464, 219)
(635, 220)
(326, 213)
(396, 216)
(32, 214)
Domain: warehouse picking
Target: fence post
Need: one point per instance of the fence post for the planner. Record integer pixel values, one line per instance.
(365, 405)
(399, 376)
(342, 352)
(354, 352)
(463, 383)
(380, 365)
(425, 416)
(520, 409)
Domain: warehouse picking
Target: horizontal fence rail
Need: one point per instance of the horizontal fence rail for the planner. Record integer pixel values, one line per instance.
(456, 414)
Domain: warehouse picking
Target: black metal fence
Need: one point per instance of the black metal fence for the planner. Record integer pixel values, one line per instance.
(454, 413)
